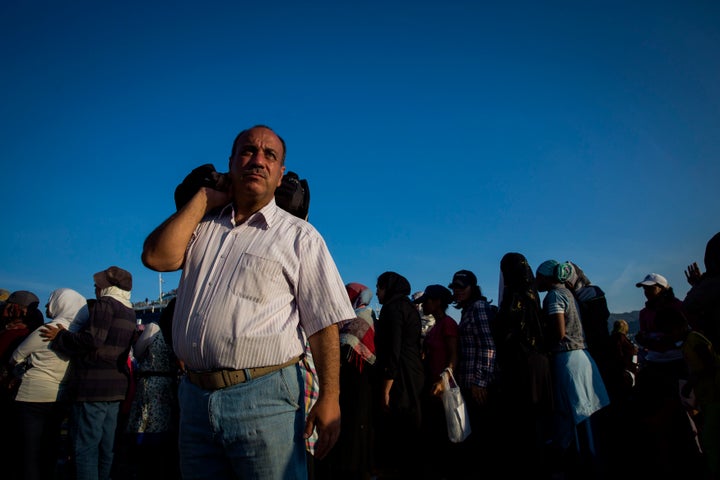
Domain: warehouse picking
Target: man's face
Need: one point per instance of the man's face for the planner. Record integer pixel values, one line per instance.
(257, 168)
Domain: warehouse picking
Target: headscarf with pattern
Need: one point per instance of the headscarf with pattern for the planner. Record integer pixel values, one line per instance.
(359, 333)
(559, 272)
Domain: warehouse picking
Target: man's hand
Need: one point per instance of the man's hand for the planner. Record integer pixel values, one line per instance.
(479, 394)
(325, 417)
(437, 388)
(49, 332)
(216, 198)
(692, 274)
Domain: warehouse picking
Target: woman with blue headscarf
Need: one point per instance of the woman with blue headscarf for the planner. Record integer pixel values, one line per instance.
(578, 388)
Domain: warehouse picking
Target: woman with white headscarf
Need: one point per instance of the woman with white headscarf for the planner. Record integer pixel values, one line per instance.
(42, 400)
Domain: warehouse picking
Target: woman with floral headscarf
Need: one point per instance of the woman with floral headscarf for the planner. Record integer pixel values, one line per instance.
(578, 388)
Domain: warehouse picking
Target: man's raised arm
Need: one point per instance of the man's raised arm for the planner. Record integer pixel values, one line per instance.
(164, 249)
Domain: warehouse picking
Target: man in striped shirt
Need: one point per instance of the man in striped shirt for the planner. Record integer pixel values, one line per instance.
(255, 280)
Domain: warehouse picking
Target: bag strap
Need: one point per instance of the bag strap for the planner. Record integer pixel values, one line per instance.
(451, 377)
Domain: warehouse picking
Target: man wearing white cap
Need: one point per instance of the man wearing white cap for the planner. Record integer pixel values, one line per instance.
(663, 426)
(653, 279)
(657, 346)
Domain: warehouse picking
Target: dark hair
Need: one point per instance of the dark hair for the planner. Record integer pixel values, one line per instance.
(394, 284)
(712, 256)
(241, 134)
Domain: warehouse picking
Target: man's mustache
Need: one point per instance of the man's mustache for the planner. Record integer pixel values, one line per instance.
(254, 171)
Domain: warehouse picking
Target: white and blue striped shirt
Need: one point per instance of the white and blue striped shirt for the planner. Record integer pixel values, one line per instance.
(246, 289)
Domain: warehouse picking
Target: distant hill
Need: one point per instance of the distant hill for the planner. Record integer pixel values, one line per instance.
(633, 319)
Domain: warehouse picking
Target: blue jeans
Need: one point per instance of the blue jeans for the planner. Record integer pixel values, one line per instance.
(93, 434)
(250, 430)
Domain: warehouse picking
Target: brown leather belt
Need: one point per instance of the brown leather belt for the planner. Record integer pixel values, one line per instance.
(217, 379)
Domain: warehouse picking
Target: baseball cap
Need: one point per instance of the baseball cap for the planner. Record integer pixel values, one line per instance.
(24, 298)
(434, 291)
(653, 279)
(462, 279)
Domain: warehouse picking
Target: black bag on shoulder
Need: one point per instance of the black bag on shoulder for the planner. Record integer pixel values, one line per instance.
(594, 312)
(293, 194)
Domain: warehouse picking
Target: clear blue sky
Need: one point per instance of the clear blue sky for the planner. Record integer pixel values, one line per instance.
(436, 136)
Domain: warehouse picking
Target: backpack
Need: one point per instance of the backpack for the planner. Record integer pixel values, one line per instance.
(293, 195)
(594, 315)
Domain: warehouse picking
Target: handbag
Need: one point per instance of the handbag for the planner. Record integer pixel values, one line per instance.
(456, 413)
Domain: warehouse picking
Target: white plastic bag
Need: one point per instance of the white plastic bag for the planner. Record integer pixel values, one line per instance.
(456, 414)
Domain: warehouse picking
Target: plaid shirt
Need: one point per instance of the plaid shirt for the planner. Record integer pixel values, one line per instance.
(477, 347)
(312, 391)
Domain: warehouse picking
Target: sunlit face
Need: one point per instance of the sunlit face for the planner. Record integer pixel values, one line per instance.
(257, 167)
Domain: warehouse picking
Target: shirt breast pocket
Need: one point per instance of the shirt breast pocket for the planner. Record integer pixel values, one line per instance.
(255, 278)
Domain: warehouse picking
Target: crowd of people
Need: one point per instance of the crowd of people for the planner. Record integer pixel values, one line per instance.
(267, 365)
